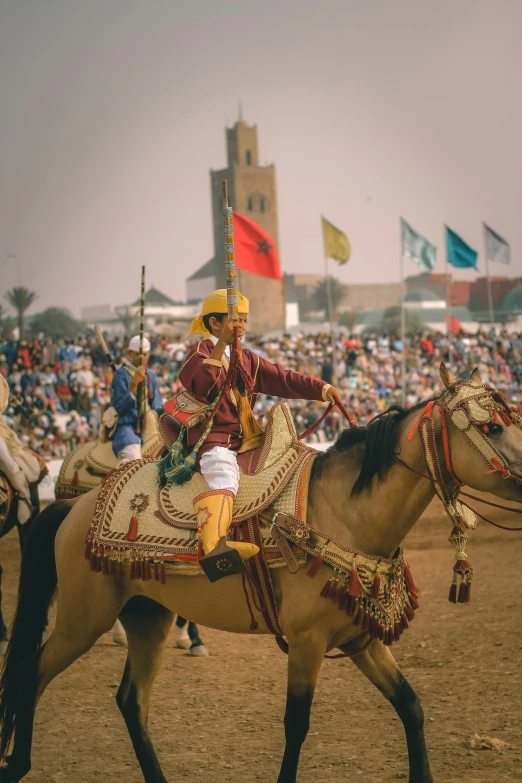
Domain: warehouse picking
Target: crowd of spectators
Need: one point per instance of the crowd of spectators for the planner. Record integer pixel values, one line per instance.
(59, 386)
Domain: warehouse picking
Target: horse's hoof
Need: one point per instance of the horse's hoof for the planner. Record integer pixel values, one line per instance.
(118, 634)
(183, 639)
(200, 651)
(8, 774)
(3, 649)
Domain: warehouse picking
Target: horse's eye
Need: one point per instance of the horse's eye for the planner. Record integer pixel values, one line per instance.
(495, 429)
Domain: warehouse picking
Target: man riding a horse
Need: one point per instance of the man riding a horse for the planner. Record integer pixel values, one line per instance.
(127, 441)
(20, 466)
(204, 376)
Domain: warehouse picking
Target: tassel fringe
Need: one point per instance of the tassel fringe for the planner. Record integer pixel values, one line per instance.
(316, 565)
(363, 604)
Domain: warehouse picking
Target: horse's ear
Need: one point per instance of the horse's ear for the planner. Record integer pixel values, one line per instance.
(448, 379)
(475, 378)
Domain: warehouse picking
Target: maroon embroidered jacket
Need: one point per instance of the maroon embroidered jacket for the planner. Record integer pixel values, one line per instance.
(203, 377)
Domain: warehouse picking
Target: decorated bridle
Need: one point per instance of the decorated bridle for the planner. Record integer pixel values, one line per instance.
(474, 408)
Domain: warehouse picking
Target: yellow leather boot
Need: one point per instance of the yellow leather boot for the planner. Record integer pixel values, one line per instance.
(214, 515)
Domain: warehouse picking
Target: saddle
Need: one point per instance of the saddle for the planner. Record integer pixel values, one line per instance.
(85, 468)
(136, 520)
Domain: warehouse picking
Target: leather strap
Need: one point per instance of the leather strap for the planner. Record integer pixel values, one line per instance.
(351, 421)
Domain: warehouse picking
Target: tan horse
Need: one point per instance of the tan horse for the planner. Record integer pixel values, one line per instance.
(358, 495)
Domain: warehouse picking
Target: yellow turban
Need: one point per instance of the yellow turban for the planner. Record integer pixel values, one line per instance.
(216, 302)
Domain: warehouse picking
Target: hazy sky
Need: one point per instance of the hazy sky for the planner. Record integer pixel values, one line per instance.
(112, 112)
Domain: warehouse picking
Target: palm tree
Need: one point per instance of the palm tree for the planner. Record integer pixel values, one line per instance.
(20, 299)
(329, 288)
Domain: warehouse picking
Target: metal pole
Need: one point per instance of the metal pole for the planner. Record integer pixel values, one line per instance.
(488, 278)
(142, 313)
(403, 336)
(448, 308)
(328, 284)
(490, 298)
(141, 391)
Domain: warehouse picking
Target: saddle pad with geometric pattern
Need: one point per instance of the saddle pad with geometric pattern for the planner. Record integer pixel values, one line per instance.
(76, 477)
(85, 468)
(164, 522)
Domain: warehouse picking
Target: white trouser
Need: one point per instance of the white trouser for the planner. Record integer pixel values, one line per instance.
(132, 451)
(220, 469)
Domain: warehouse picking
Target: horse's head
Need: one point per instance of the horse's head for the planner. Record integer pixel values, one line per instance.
(485, 436)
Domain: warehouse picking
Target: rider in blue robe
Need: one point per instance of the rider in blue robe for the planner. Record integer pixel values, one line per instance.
(127, 443)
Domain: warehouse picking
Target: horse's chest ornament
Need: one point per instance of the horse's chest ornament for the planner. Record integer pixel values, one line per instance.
(378, 593)
(472, 406)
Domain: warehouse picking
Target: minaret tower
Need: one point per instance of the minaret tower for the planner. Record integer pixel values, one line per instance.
(252, 192)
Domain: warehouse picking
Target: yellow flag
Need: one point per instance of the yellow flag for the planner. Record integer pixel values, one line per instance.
(336, 243)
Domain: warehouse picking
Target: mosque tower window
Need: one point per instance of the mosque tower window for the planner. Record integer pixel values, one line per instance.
(248, 158)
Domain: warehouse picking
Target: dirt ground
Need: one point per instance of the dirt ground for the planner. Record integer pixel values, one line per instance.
(220, 718)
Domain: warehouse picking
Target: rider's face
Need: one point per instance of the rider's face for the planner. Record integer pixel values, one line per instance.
(134, 358)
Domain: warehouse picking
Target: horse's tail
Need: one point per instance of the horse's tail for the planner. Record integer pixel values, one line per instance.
(38, 580)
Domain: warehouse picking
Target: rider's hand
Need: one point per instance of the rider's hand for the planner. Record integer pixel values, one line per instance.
(137, 378)
(333, 395)
(227, 330)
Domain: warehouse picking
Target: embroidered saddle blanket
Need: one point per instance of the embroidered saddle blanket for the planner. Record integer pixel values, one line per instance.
(85, 467)
(164, 527)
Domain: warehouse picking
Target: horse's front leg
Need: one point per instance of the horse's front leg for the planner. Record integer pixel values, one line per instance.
(379, 665)
(305, 656)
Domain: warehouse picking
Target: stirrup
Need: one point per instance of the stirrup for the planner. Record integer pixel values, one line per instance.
(222, 561)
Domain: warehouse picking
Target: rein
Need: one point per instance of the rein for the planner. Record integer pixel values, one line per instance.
(467, 495)
(472, 407)
(351, 421)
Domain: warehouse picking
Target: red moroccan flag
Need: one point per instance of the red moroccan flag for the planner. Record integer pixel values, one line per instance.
(255, 249)
(453, 324)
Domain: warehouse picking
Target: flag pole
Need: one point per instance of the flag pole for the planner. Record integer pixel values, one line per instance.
(328, 286)
(448, 307)
(403, 333)
(490, 293)
(328, 283)
(488, 278)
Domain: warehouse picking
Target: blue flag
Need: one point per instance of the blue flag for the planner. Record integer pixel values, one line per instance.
(459, 253)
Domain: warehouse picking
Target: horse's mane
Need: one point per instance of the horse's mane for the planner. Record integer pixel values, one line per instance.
(378, 446)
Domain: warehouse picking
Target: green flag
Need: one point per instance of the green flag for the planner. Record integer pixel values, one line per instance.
(416, 247)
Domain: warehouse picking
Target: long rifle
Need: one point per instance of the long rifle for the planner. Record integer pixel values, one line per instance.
(104, 347)
(251, 430)
(141, 391)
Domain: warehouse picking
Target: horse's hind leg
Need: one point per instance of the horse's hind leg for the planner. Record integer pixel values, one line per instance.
(147, 625)
(197, 646)
(379, 665)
